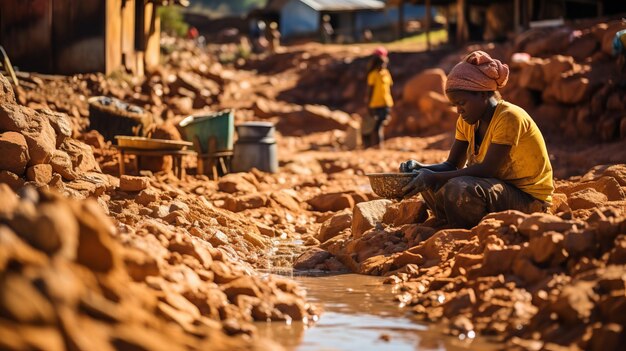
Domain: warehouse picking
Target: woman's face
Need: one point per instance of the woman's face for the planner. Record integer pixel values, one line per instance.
(469, 104)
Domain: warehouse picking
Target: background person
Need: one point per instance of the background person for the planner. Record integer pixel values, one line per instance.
(379, 99)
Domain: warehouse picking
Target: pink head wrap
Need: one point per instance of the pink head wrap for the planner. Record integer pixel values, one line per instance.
(478, 72)
(381, 51)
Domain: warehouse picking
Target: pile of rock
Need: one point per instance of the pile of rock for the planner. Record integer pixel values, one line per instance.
(37, 149)
(535, 279)
(71, 278)
(568, 80)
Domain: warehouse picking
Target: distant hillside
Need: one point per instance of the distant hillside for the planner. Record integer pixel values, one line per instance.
(217, 8)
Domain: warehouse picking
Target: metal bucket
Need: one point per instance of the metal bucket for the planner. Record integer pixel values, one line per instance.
(255, 148)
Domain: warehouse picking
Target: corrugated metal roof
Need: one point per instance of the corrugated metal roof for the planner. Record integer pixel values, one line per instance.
(344, 5)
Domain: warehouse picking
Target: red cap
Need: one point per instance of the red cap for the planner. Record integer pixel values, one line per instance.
(380, 51)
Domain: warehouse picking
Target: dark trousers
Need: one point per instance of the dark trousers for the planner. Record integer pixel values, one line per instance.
(463, 201)
(377, 136)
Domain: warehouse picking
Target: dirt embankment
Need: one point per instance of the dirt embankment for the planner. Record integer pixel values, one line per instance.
(170, 271)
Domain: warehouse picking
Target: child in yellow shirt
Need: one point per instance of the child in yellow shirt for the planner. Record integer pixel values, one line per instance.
(379, 100)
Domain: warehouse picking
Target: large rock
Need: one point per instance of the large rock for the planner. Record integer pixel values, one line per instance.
(81, 155)
(40, 174)
(336, 201)
(531, 74)
(132, 183)
(576, 302)
(238, 183)
(406, 212)
(583, 47)
(571, 90)
(313, 118)
(430, 80)
(61, 124)
(246, 202)
(538, 223)
(62, 164)
(50, 228)
(14, 151)
(335, 225)
(36, 129)
(11, 179)
(586, 198)
(368, 215)
(311, 258)
(7, 96)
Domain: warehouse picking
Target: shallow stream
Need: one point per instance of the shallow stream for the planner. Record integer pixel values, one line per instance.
(359, 313)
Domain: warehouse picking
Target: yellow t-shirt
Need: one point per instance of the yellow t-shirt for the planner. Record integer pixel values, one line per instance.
(527, 166)
(380, 82)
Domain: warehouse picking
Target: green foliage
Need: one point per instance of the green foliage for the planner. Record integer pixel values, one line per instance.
(172, 21)
(228, 7)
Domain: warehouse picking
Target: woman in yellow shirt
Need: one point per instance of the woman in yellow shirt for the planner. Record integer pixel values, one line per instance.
(507, 161)
(379, 100)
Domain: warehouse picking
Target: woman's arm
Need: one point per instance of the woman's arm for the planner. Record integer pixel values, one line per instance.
(427, 179)
(456, 159)
(497, 154)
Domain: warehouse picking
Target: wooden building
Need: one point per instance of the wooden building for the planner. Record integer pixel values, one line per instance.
(523, 12)
(80, 36)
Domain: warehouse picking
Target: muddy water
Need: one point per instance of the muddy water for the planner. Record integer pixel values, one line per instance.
(360, 314)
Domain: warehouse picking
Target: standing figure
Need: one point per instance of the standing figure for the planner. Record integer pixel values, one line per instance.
(273, 37)
(379, 100)
(327, 30)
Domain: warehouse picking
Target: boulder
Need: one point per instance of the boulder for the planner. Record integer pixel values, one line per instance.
(571, 90)
(40, 174)
(61, 124)
(81, 155)
(367, 215)
(586, 198)
(311, 258)
(14, 151)
(51, 227)
(336, 201)
(575, 303)
(531, 74)
(583, 47)
(7, 96)
(62, 164)
(132, 183)
(11, 179)
(246, 202)
(429, 80)
(406, 212)
(539, 223)
(335, 225)
(284, 199)
(543, 247)
(238, 183)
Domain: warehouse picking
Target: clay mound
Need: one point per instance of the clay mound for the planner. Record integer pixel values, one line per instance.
(38, 150)
(67, 271)
(523, 277)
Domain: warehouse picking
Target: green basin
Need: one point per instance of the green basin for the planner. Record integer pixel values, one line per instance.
(220, 125)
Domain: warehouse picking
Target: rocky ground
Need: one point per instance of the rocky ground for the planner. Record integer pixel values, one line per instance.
(154, 262)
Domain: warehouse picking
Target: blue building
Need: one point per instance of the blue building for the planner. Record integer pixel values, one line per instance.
(349, 18)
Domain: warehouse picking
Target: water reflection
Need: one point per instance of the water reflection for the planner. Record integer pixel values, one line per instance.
(359, 314)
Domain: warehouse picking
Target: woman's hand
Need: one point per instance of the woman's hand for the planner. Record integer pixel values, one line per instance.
(410, 166)
(424, 179)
